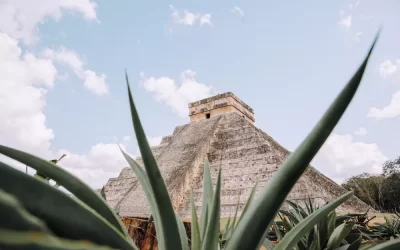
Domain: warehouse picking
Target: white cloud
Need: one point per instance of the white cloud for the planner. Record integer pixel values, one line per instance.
(357, 36)
(341, 157)
(24, 80)
(188, 18)
(126, 138)
(92, 81)
(351, 6)
(345, 21)
(96, 166)
(177, 96)
(154, 141)
(20, 18)
(95, 83)
(390, 111)
(390, 68)
(361, 131)
(205, 20)
(237, 10)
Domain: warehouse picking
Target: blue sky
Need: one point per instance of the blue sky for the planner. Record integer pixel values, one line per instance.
(287, 60)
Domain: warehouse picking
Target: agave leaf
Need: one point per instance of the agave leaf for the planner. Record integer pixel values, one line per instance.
(339, 234)
(62, 214)
(322, 231)
(169, 227)
(144, 182)
(263, 211)
(300, 211)
(196, 242)
(69, 182)
(277, 231)
(182, 232)
(331, 222)
(14, 216)
(314, 246)
(292, 237)
(249, 201)
(355, 245)
(311, 238)
(291, 217)
(227, 226)
(210, 240)
(268, 244)
(10, 239)
(388, 245)
(206, 200)
(236, 212)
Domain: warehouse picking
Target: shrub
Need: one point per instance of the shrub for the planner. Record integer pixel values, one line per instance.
(35, 215)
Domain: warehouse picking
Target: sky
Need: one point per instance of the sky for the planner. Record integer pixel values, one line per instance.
(62, 83)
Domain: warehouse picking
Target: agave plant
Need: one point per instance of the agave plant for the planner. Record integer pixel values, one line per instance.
(389, 229)
(332, 232)
(35, 215)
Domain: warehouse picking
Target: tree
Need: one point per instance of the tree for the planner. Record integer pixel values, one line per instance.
(368, 188)
(391, 167)
(391, 188)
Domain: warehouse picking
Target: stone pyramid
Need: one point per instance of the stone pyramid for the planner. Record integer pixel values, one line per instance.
(221, 128)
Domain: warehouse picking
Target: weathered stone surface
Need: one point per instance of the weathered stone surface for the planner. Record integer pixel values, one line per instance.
(245, 153)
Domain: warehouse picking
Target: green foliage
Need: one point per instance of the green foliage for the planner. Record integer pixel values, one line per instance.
(39, 216)
(368, 188)
(389, 229)
(379, 191)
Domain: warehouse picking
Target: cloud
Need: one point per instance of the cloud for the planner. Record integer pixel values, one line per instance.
(26, 78)
(95, 83)
(96, 166)
(345, 21)
(127, 138)
(20, 18)
(154, 141)
(177, 96)
(353, 6)
(390, 111)
(342, 157)
(238, 11)
(205, 20)
(357, 36)
(24, 81)
(188, 18)
(388, 69)
(92, 81)
(361, 131)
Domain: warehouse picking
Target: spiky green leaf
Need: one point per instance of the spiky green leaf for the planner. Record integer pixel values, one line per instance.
(64, 215)
(167, 221)
(69, 182)
(210, 240)
(206, 199)
(339, 234)
(196, 242)
(262, 211)
(182, 232)
(14, 240)
(15, 217)
(304, 226)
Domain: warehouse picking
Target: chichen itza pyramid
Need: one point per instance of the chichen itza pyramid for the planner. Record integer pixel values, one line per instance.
(220, 128)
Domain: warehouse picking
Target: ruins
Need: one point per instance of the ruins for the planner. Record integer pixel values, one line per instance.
(222, 129)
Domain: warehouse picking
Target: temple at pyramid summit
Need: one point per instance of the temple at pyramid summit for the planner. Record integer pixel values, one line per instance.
(222, 129)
